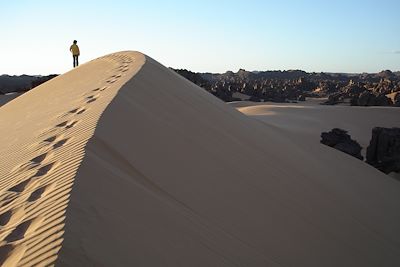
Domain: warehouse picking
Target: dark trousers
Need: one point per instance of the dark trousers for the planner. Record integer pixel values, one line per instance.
(76, 63)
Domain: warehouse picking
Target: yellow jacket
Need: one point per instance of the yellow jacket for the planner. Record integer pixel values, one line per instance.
(74, 49)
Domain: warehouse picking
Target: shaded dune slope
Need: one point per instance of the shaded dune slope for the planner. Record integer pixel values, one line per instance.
(174, 177)
(164, 174)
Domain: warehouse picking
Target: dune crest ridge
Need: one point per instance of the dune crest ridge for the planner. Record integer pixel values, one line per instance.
(44, 133)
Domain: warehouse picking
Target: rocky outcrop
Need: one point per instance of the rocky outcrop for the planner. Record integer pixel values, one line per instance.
(382, 100)
(193, 77)
(353, 89)
(334, 99)
(396, 99)
(386, 74)
(42, 79)
(366, 99)
(340, 140)
(10, 84)
(301, 98)
(283, 86)
(370, 99)
(21, 83)
(383, 151)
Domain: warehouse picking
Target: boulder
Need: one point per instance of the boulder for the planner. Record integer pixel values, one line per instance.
(396, 99)
(382, 100)
(383, 151)
(340, 140)
(301, 98)
(333, 99)
(354, 101)
(369, 99)
(354, 89)
(366, 99)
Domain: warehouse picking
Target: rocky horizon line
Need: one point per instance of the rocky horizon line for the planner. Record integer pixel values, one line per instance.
(396, 72)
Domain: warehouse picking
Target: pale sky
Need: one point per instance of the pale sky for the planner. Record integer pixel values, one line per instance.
(213, 36)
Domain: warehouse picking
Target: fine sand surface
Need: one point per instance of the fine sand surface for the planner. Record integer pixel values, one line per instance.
(44, 133)
(163, 173)
(305, 121)
(309, 119)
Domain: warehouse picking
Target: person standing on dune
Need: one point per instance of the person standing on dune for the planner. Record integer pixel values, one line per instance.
(75, 53)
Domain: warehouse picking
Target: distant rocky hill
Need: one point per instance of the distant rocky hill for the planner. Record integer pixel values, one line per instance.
(363, 89)
(21, 83)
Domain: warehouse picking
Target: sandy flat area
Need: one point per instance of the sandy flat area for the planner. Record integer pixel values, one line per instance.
(308, 119)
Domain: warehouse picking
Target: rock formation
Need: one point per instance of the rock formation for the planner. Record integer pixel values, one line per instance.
(340, 140)
(368, 98)
(294, 85)
(383, 151)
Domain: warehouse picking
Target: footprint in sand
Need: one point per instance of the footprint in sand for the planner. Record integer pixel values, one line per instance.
(44, 170)
(55, 141)
(74, 111)
(71, 124)
(41, 192)
(46, 132)
(110, 81)
(116, 76)
(33, 180)
(50, 139)
(60, 143)
(23, 185)
(41, 158)
(12, 216)
(92, 98)
(32, 163)
(62, 124)
(81, 110)
(24, 229)
(11, 254)
(67, 124)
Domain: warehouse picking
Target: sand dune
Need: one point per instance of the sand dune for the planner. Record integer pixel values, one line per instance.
(44, 133)
(304, 122)
(122, 162)
(309, 119)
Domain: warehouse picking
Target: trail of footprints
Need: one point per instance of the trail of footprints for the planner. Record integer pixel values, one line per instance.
(15, 224)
